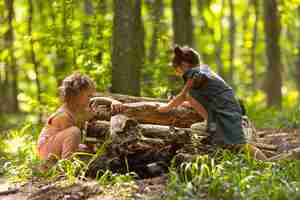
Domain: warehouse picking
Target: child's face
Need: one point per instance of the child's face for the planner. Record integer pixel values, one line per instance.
(85, 96)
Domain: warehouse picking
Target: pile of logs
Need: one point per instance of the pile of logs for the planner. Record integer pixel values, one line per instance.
(145, 141)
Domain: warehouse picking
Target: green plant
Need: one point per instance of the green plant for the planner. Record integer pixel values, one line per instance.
(229, 176)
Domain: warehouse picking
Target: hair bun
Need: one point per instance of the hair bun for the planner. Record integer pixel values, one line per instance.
(178, 51)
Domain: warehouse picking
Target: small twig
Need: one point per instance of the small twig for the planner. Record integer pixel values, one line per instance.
(9, 191)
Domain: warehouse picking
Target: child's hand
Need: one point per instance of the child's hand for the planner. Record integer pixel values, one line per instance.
(163, 109)
(186, 104)
(90, 113)
(117, 107)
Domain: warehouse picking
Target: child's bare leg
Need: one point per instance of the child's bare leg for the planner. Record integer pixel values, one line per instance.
(198, 107)
(65, 143)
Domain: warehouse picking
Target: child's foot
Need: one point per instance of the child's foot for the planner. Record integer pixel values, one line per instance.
(86, 148)
(47, 165)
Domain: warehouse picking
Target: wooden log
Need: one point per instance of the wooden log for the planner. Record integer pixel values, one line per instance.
(293, 154)
(130, 99)
(9, 191)
(120, 123)
(146, 112)
(265, 146)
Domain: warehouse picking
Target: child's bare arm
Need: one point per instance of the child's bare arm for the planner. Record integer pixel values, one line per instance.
(179, 99)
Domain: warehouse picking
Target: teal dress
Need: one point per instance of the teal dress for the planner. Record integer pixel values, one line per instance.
(217, 97)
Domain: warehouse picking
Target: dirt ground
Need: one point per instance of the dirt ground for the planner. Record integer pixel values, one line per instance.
(151, 189)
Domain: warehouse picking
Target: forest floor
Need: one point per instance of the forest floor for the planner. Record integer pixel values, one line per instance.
(280, 141)
(152, 188)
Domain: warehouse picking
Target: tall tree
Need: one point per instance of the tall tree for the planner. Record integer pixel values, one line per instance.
(232, 41)
(219, 42)
(182, 22)
(2, 72)
(298, 58)
(11, 82)
(183, 35)
(157, 12)
(128, 47)
(101, 11)
(33, 55)
(86, 27)
(274, 67)
(255, 4)
(61, 65)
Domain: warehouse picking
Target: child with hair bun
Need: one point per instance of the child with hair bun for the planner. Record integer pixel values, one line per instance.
(60, 137)
(213, 99)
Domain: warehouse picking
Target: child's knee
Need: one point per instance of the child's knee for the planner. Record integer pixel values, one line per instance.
(74, 134)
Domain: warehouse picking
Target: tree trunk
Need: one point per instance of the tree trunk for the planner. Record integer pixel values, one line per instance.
(101, 11)
(128, 47)
(219, 44)
(62, 55)
(33, 56)
(232, 42)
(254, 43)
(2, 70)
(298, 60)
(12, 74)
(274, 68)
(86, 27)
(157, 12)
(204, 28)
(182, 22)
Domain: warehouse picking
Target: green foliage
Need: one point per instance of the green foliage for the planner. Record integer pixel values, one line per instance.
(228, 176)
(20, 162)
(19, 153)
(288, 117)
(108, 177)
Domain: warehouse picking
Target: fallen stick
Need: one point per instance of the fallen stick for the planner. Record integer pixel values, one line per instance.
(9, 191)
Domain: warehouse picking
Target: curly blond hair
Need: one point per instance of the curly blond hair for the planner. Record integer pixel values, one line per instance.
(73, 84)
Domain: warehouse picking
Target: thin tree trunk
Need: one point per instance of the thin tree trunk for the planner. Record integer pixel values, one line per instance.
(13, 72)
(33, 57)
(182, 22)
(254, 43)
(128, 47)
(139, 45)
(219, 44)
(61, 63)
(204, 28)
(86, 27)
(100, 13)
(2, 71)
(272, 35)
(157, 13)
(232, 41)
(298, 60)
(183, 35)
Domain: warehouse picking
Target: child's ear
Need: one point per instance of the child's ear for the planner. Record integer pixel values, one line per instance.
(178, 51)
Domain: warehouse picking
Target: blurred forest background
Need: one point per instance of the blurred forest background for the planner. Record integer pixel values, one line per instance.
(126, 47)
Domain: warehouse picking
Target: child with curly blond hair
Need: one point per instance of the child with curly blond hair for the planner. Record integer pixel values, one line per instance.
(61, 135)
